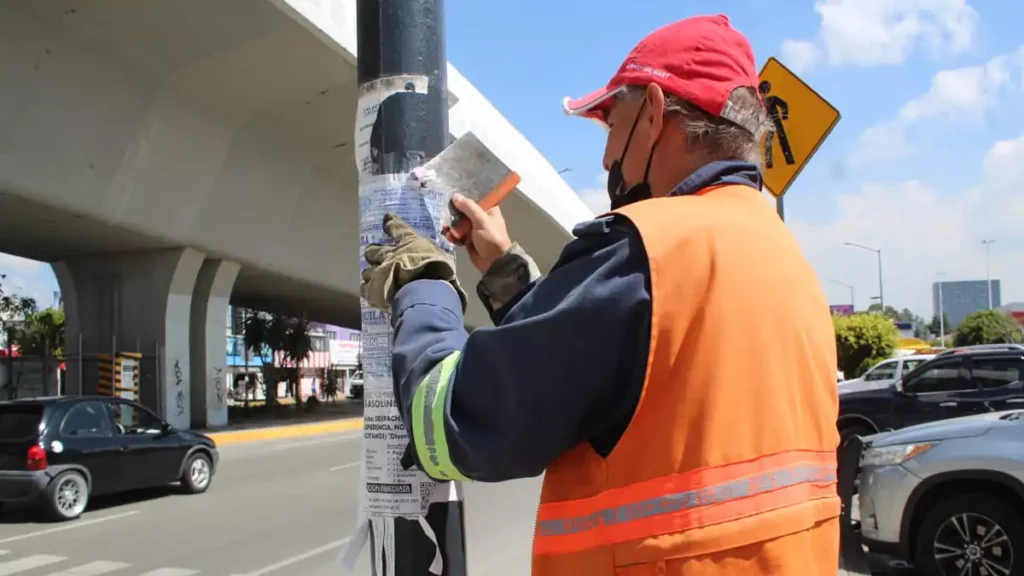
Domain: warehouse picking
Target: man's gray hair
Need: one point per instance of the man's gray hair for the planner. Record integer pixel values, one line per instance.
(718, 138)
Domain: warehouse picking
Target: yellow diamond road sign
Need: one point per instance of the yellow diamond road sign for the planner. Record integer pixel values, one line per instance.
(801, 119)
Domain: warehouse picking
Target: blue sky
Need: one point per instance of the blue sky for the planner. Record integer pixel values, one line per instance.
(924, 164)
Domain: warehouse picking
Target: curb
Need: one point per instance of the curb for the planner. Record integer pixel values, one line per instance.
(289, 431)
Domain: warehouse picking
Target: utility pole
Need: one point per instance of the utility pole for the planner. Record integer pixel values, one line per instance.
(878, 252)
(942, 313)
(988, 271)
(401, 122)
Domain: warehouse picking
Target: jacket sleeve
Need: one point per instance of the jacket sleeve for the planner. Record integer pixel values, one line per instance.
(565, 366)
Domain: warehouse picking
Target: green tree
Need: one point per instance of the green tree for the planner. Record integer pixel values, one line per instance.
(297, 346)
(988, 327)
(935, 327)
(863, 340)
(42, 333)
(13, 305)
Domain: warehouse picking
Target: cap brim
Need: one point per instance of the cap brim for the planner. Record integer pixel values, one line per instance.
(593, 105)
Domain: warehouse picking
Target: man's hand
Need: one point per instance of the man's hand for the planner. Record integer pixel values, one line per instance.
(488, 238)
(411, 257)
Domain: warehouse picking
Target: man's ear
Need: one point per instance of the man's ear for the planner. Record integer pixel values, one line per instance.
(655, 112)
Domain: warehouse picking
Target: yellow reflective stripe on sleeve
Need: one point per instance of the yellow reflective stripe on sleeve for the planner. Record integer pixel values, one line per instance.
(428, 430)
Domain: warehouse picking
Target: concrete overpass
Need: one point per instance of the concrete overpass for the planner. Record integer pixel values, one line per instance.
(168, 157)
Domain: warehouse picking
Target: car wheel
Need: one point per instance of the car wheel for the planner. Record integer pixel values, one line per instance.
(197, 473)
(852, 430)
(67, 496)
(971, 534)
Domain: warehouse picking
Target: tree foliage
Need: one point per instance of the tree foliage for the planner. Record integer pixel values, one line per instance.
(936, 327)
(42, 333)
(905, 315)
(988, 327)
(863, 340)
(14, 305)
(266, 335)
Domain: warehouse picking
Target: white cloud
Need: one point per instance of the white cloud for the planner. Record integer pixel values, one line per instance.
(876, 32)
(597, 198)
(800, 55)
(922, 233)
(962, 94)
(964, 91)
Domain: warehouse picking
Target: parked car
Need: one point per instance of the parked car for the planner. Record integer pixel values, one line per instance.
(957, 382)
(355, 385)
(947, 497)
(59, 452)
(885, 373)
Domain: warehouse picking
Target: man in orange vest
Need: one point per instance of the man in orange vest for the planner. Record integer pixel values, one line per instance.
(671, 376)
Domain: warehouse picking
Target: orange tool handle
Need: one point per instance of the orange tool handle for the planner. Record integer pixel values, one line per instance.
(492, 199)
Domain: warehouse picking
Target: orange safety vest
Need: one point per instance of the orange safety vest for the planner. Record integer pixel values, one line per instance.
(728, 466)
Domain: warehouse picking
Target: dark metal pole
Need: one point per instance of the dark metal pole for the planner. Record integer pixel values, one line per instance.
(881, 294)
(405, 38)
(780, 207)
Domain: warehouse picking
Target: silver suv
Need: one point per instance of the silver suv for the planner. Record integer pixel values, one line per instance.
(947, 497)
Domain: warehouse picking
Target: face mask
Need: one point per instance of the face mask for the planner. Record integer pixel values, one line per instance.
(641, 191)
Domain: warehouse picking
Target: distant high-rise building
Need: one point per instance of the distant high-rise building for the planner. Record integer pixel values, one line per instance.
(962, 297)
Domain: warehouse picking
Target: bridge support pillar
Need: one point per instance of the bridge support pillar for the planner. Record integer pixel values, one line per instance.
(210, 300)
(133, 302)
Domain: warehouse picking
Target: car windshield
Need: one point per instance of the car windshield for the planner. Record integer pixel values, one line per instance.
(19, 422)
(1013, 415)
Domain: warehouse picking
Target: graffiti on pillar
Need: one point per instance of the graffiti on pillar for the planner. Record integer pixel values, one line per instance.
(218, 385)
(179, 390)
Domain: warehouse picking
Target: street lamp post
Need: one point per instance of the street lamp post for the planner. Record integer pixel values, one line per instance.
(988, 271)
(942, 313)
(848, 287)
(878, 252)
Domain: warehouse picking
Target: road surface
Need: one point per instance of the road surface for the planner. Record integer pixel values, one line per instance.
(274, 508)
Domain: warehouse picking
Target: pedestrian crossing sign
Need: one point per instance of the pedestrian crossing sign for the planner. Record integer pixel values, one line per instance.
(800, 121)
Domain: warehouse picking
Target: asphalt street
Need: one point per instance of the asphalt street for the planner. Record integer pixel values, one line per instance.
(274, 508)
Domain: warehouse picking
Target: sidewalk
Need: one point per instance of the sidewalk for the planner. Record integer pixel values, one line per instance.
(342, 418)
(272, 432)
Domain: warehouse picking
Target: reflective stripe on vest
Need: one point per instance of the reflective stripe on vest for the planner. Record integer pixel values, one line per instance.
(428, 421)
(685, 501)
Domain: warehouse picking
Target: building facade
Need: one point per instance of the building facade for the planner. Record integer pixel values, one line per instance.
(962, 297)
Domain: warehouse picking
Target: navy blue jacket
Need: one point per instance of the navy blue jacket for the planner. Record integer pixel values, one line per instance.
(565, 361)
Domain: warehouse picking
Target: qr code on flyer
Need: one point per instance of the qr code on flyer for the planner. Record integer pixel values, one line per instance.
(426, 493)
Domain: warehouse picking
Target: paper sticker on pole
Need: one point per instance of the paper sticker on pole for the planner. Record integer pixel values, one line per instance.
(800, 121)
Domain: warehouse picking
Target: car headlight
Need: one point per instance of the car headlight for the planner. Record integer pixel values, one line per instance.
(893, 455)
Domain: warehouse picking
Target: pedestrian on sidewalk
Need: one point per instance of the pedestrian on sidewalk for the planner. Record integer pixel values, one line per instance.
(671, 376)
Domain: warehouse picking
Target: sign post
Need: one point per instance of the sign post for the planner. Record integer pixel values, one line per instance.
(414, 525)
(801, 120)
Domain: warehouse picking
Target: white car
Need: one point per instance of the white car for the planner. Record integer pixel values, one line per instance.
(884, 374)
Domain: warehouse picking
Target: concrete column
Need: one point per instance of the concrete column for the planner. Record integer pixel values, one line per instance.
(133, 302)
(209, 336)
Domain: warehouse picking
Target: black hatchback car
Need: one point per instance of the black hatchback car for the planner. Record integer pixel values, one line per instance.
(957, 382)
(60, 451)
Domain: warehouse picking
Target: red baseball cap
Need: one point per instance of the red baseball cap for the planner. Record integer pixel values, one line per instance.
(700, 59)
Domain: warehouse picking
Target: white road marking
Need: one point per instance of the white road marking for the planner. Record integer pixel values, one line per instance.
(343, 466)
(92, 569)
(297, 558)
(72, 526)
(28, 563)
(171, 572)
